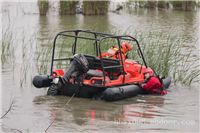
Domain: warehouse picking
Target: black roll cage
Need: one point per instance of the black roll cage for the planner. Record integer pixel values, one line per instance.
(98, 47)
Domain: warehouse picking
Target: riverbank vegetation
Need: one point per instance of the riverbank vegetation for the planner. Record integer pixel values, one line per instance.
(166, 49)
(73, 7)
(166, 54)
(43, 6)
(95, 7)
(102, 7)
(180, 5)
(68, 7)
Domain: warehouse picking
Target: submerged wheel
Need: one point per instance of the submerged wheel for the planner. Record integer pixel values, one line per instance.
(53, 90)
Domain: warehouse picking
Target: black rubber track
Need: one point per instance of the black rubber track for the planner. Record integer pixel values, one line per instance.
(53, 90)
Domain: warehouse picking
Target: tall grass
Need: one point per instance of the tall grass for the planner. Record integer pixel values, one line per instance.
(43, 60)
(7, 48)
(13, 48)
(151, 4)
(163, 4)
(68, 7)
(180, 5)
(43, 6)
(95, 7)
(177, 4)
(165, 54)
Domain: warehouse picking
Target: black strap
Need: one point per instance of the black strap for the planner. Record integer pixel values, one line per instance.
(126, 46)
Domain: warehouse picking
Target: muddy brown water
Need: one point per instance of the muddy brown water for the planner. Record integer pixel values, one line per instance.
(178, 111)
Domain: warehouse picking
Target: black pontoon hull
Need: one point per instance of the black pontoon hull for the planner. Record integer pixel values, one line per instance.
(128, 91)
(84, 91)
(109, 93)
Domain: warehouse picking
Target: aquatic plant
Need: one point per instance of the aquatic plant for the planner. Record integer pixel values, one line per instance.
(166, 55)
(68, 7)
(177, 4)
(188, 5)
(163, 4)
(43, 59)
(180, 5)
(95, 7)
(6, 47)
(183, 5)
(151, 4)
(43, 6)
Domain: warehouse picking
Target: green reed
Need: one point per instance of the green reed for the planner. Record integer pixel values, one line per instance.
(11, 45)
(183, 5)
(177, 4)
(180, 5)
(165, 53)
(68, 7)
(43, 59)
(43, 6)
(95, 7)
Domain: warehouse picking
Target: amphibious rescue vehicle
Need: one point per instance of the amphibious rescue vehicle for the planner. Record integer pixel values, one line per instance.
(99, 78)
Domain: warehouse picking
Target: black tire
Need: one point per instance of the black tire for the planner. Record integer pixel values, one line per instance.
(53, 90)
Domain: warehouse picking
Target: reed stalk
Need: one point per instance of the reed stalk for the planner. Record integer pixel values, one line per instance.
(43, 6)
(165, 53)
(163, 4)
(68, 7)
(151, 4)
(162, 52)
(177, 4)
(95, 7)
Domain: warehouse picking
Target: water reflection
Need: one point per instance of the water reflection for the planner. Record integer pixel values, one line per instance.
(146, 107)
(85, 111)
(189, 26)
(67, 22)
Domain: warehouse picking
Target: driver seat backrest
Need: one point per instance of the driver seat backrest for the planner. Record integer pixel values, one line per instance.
(95, 63)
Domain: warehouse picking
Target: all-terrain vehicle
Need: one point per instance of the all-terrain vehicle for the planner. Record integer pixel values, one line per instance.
(91, 77)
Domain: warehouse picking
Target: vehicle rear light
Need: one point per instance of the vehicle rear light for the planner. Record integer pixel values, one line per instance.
(93, 81)
(96, 81)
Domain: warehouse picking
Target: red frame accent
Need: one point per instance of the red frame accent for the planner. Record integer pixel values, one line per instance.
(132, 75)
(59, 72)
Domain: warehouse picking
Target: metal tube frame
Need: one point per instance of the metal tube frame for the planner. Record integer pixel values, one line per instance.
(104, 36)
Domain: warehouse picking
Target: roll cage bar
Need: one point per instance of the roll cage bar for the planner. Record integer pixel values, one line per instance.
(98, 47)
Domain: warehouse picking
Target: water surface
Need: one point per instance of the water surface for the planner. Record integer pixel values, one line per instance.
(178, 111)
